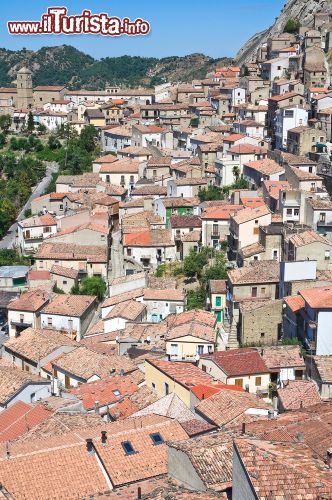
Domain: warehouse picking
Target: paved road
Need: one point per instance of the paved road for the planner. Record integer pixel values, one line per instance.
(9, 240)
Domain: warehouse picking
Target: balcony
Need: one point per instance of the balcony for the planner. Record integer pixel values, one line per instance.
(21, 324)
(324, 223)
(34, 237)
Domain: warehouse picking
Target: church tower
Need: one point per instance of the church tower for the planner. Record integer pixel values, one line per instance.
(24, 99)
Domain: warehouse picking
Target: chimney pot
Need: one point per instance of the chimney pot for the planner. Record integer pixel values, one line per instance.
(243, 427)
(104, 438)
(329, 458)
(139, 493)
(96, 407)
(89, 446)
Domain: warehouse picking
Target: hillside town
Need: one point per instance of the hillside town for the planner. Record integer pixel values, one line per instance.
(166, 310)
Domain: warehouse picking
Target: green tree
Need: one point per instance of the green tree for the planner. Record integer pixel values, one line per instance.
(292, 26)
(2, 140)
(218, 271)
(193, 264)
(93, 285)
(87, 139)
(31, 123)
(211, 193)
(196, 299)
(9, 257)
(41, 129)
(53, 142)
(5, 123)
(236, 173)
(7, 215)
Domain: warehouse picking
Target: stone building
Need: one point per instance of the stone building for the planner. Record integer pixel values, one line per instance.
(24, 98)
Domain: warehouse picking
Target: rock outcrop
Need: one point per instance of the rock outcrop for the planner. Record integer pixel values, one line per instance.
(303, 10)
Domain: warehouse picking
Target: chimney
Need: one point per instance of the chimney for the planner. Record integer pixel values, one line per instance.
(96, 407)
(104, 438)
(300, 437)
(243, 428)
(139, 493)
(329, 458)
(89, 446)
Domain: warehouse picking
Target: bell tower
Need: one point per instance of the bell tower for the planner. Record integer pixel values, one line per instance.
(24, 99)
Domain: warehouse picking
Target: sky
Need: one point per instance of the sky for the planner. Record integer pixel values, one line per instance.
(178, 27)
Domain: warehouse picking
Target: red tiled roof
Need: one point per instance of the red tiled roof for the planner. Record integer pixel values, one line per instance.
(206, 391)
(318, 298)
(104, 391)
(20, 418)
(238, 361)
(39, 275)
(186, 374)
(298, 394)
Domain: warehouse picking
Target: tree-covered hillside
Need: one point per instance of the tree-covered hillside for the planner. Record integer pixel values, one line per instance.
(65, 65)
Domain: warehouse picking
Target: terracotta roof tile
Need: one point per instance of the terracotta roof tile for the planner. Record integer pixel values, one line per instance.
(296, 394)
(32, 301)
(130, 310)
(70, 305)
(231, 408)
(20, 418)
(287, 356)
(35, 344)
(283, 470)
(256, 272)
(318, 298)
(185, 374)
(166, 294)
(236, 362)
(84, 363)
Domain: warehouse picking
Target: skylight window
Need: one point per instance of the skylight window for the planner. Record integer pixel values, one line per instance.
(128, 448)
(156, 438)
(116, 392)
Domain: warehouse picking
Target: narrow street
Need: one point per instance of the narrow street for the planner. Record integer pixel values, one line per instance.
(9, 240)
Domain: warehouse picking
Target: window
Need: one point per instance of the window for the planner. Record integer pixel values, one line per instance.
(215, 230)
(258, 381)
(296, 211)
(32, 397)
(275, 255)
(64, 282)
(129, 252)
(262, 335)
(21, 318)
(210, 349)
(116, 392)
(254, 291)
(70, 324)
(154, 173)
(322, 217)
(166, 389)
(327, 254)
(128, 448)
(132, 179)
(289, 211)
(204, 368)
(218, 301)
(263, 290)
(49, 321)
(153, 385)
(156, 438)
(238, 382)
(200, 349)
(122, 181)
